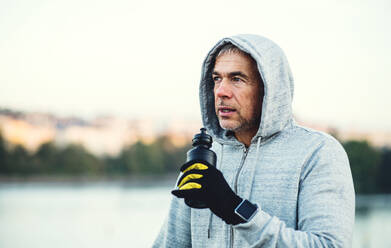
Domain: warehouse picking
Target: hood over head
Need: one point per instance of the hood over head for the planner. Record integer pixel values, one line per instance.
(277, 78)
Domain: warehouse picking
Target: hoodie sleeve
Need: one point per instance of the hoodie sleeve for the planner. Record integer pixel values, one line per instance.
(175, 231)
(325, 210)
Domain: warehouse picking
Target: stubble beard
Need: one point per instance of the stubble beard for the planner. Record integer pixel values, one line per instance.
(241, 124)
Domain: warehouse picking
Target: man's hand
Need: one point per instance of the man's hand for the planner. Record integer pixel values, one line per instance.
(203, 182)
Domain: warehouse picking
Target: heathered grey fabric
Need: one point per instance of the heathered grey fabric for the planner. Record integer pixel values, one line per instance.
(299, 178)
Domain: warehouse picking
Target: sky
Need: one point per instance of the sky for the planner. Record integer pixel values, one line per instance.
(141, 59)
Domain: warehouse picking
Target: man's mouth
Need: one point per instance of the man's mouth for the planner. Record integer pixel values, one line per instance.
(225, 111)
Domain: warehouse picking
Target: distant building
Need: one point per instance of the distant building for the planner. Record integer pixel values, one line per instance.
(21, 132)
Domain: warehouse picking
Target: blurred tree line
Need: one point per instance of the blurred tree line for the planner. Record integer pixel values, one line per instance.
(50, 160)
(371, 167)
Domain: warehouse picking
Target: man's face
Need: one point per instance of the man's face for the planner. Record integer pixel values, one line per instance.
(237, 93)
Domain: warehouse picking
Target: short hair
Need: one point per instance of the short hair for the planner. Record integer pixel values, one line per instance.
(230, 48)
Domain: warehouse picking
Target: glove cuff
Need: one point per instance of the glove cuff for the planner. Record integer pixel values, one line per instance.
(230, 217)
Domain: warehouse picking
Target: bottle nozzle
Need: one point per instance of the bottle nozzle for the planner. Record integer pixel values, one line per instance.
(202, 139)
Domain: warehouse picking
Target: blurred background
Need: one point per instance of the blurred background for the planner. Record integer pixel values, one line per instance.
(99, 103)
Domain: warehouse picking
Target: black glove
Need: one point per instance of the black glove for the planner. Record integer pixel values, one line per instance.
(204, 182)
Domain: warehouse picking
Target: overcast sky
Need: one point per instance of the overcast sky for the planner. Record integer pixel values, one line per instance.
(143, 58)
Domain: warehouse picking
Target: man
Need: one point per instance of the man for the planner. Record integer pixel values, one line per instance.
(276, 184)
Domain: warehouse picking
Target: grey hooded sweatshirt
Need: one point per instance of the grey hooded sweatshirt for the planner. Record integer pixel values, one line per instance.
(299, 178)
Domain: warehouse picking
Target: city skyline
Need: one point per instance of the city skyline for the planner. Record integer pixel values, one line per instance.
(110, 134)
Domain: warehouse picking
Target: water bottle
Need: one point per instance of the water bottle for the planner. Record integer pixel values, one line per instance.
(201, 152)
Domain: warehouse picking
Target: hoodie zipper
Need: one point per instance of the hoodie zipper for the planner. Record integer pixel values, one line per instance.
(236, 190)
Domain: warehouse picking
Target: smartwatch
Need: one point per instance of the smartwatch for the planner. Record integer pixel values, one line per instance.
(246, 210)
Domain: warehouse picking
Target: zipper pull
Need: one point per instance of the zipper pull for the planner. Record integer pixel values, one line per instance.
(245, 150)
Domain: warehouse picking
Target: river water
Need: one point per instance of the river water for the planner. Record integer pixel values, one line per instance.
(115, 214)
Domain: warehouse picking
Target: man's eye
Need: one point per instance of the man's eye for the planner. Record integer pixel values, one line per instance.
(215, 79)
(236, 79)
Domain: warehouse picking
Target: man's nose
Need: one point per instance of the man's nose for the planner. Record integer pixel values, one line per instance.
(223, 89)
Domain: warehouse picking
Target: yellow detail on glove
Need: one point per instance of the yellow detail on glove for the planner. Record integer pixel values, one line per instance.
(197, 166)
(190, 186)
(189, 177)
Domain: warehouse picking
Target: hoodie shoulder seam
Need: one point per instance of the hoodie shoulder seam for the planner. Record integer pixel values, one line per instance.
(311, 131)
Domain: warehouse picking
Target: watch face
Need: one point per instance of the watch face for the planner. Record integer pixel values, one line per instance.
(246, 209)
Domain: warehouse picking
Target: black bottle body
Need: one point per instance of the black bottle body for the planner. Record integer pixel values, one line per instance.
(201, 153)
